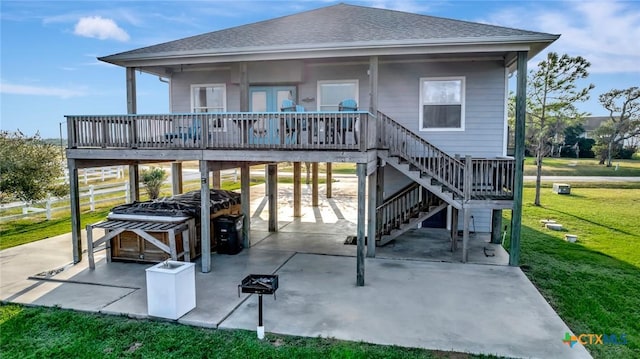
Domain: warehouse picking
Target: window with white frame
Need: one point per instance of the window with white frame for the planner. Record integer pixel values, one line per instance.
(331, 93)
(206, 98)
(442, 104)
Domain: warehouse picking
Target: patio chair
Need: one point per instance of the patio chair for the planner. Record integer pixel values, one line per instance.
(349, 124)
(186, 132)
(291, 130)
(263, 131)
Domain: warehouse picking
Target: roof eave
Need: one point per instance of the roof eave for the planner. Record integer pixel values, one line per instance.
(434, 46)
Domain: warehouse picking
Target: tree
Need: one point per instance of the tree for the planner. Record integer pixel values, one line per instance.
(551, 94)
(623, 122)
(30, 168)
(152, 180)
(575, 145)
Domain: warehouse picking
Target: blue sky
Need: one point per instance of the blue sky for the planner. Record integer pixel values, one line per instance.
(48, 49)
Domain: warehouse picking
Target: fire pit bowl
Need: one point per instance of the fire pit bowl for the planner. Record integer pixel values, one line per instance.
(259, 284)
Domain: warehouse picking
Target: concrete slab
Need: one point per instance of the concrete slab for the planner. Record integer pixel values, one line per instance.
(18, 263)
(217, 292)
(308, 242)
(82, 297)
(434, 244)
(445, 306)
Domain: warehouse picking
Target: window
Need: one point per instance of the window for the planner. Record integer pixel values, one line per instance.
(209, 98)
(442, 104)
(331, 93)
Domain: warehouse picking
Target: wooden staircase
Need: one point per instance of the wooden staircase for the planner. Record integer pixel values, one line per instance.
(439, 180)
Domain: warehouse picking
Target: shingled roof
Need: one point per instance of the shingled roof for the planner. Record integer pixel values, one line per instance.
(339, 26)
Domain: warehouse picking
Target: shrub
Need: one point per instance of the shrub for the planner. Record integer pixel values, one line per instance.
(152, 180)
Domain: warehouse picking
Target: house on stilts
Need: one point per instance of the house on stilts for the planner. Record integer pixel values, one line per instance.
(418, 103)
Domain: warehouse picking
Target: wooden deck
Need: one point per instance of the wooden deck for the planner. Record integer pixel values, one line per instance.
(262, 137)
(352, 131)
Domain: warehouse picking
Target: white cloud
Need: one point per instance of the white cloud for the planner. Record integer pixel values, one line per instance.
(14, 89)
(606, 33)
(100, 28)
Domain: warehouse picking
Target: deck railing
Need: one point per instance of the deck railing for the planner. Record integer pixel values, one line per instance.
(355, 131)
(256, 130)
(479, 178)
(493, 178)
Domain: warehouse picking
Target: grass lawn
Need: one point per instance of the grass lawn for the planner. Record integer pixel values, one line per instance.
(582, 167)
(55, 333)
(28, 230)
(593, 284)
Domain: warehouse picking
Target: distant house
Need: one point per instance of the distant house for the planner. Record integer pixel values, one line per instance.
(591, 123)
(417, 102)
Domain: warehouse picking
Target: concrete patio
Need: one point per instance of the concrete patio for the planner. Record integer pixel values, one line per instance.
(417, 294)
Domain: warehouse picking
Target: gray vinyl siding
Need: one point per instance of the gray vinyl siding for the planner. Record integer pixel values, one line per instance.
(181, 88)
(324, 72)
(399, 98)
(394, 181)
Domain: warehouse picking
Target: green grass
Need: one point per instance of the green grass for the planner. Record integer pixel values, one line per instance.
(55, 333)
(593, 284)
(29, 230)
(582, 167)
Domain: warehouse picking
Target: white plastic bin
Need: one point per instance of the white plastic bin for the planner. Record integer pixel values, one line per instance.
(171, 289)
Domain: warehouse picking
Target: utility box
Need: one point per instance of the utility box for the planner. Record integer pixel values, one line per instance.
(171, 289)
(228, 234)
(561, 188)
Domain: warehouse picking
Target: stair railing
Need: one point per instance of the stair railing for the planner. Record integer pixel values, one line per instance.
(399, 208)
(400, 141)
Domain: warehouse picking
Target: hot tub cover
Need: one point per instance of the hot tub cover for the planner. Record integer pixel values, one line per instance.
(187, 204)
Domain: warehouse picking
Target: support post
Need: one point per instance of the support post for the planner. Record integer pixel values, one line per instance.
(379, 191)
(454, 229)
(244, 87)
(496, 226)
(329, 179)
(314, 184)
(466, 213)
(132, 105)
(216, 180)
(273, 196)
(521, 108)
(244, 98)
(134, 183)
(245, 203)
(74, 201)
(372, 222)
(361, 169)
(176, 178)
(266, 180)
(373, 106)
(132, 102)
(297, 189)
(205, 217)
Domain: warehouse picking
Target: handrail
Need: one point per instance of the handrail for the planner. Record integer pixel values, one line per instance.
(399, 208)
(402, 192)
(428, 158)
(469, 178)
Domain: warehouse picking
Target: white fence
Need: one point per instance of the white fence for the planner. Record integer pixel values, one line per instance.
(90, 196)
(94, 174)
